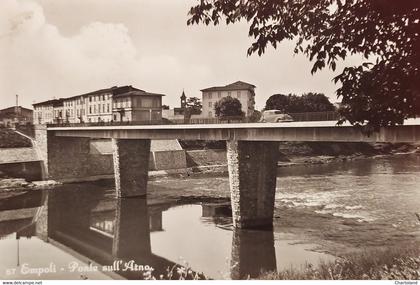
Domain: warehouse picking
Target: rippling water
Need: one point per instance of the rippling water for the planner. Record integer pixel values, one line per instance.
(324, 208)
(382, 190)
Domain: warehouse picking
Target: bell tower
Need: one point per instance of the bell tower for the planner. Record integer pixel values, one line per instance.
(183, 100)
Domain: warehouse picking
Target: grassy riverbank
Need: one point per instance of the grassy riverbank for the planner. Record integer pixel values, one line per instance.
(402, 263)
(397, 263)
(10, 139)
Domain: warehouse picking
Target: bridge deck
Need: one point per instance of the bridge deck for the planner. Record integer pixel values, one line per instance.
(293, 131)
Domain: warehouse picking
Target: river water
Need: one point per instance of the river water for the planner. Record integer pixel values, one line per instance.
(322, 211)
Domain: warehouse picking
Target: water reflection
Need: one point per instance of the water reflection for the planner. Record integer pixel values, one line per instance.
(253, 252)
(107, 230)
(92, 228)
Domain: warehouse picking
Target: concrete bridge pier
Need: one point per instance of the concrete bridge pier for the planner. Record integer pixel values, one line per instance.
(131, 166)
(252, 169)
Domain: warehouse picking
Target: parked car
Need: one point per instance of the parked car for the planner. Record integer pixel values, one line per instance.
(275, 116)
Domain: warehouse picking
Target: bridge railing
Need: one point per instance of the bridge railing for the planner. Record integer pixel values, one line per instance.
(163, 121)
(310, 116)
(315, 116)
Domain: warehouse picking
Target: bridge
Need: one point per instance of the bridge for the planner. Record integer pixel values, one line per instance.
(252, 154)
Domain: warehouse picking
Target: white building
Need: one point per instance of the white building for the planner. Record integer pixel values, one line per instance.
(243, 91)
(116, 104)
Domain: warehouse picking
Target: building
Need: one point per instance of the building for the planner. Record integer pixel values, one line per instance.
(181, 111)
(16, 115)
(177, 113)
(115, 104)
(243, 91)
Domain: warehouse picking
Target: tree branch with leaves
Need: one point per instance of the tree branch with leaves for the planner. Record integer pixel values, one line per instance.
(383, 90)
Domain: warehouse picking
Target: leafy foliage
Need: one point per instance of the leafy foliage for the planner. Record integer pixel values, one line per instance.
(228, 107)
(11, 139)
(255, 116)
(390, 264)
(309, 102)
(384, 90)
(194, 105)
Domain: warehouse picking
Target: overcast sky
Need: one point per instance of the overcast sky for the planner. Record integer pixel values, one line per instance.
(60, 48)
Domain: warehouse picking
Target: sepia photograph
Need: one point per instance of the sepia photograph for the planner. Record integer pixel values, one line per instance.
(209, 140)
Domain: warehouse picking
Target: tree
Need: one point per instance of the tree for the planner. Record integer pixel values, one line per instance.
(278, 102)
(309, 102)
(165, 107)
(194, 105)
(316, 102)
(255, 116)
(383, 90)
(228, 107)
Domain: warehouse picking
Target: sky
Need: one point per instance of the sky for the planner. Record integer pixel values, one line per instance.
(60, 48)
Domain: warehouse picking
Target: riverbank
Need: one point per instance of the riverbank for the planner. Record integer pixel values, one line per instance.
(394, 263)
(335, 209)
(386, 264)
(11, 139)
(205, 162)
(299, 153)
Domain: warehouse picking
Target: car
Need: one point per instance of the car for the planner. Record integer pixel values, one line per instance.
(275, 116)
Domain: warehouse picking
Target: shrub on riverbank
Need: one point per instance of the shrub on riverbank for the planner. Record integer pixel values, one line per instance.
(10, 139)
(390, 264)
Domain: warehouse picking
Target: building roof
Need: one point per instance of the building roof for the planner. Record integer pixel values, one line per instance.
(116, 91)
(54, 102)
(12, 109)
(238, 85)
(136, 93)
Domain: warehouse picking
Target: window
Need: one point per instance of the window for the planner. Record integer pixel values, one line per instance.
(90, 109)
(94, 108)
(229, 93)
(210, 104)
(90, 99)
(107, 107)
(219, 94)
(156, 102)
(210, 95)
(210, 114)
(238, 94)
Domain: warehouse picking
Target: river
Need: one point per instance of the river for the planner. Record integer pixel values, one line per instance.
(322, 211)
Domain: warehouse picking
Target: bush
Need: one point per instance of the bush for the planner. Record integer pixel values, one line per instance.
(393, 263)
(10, 139)
(228, 107)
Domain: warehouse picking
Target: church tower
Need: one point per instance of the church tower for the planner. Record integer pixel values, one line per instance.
(183, 100)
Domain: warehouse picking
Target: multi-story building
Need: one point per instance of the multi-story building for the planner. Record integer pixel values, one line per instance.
(16, 115)
(243, 91)
(116, 104)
